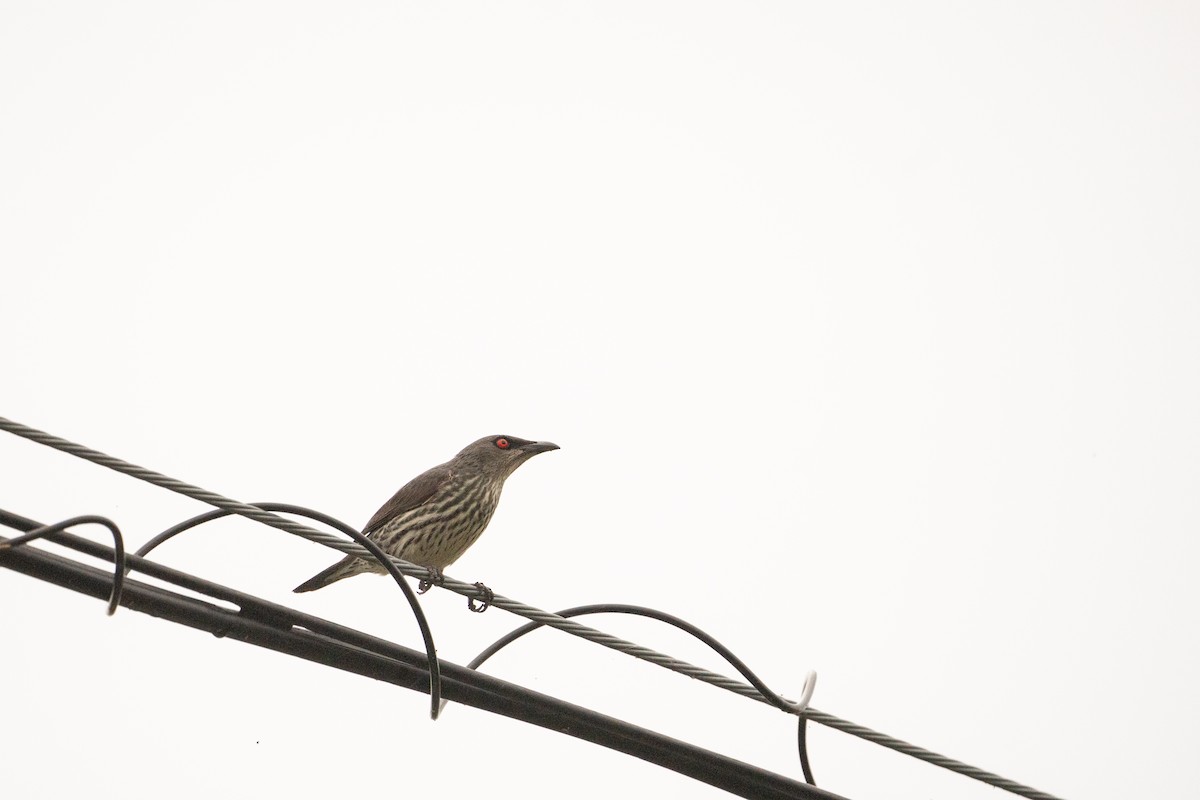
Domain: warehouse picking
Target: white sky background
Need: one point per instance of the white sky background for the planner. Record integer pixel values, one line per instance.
(869, 335)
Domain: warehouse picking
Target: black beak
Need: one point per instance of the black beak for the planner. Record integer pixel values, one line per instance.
(533, 448)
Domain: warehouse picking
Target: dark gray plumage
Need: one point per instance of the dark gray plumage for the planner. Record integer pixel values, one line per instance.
(437, 515)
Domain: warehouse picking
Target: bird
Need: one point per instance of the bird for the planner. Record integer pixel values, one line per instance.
(437, 515)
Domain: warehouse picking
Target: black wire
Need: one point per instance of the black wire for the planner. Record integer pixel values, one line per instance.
(435, 673)
(389, 663)
(114, 598)
(683, 625)
(642, 611)
(802, 746)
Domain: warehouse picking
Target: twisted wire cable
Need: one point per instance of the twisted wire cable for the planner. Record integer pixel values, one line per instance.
(928, 756)
(513, 606)
(408, 568)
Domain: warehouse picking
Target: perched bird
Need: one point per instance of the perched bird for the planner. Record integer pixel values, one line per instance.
(437, 515)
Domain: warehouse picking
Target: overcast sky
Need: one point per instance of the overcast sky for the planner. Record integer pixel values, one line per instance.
(868, 331)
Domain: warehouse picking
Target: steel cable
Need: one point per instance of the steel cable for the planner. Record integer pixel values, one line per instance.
(408, 568)
(515, 607)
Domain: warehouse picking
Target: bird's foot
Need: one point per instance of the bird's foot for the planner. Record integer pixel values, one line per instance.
(436, 578)
(485, 599)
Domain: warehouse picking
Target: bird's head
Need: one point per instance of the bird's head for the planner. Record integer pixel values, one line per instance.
(502, 454)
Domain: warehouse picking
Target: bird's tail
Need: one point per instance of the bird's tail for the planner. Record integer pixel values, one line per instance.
(348, 566)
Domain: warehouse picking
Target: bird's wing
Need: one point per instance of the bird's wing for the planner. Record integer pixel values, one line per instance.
(412, 494)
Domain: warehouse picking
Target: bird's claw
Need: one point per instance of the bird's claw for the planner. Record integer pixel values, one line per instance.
(436, 578)
(485, 602)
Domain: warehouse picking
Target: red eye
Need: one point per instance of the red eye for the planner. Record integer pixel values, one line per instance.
(502, 443)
